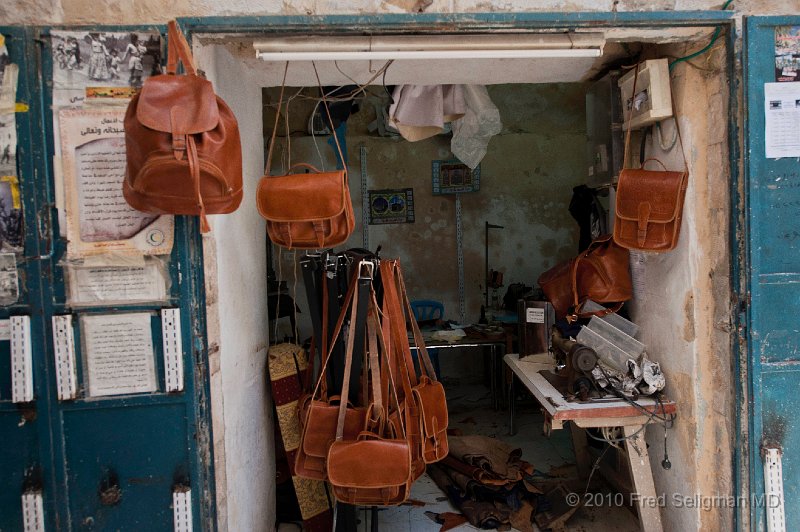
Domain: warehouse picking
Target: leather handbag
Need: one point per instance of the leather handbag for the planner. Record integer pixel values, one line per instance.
(182, 141)
(374, 468)
(308, 210)
(426, 403)
(649, 204)
(600, 273)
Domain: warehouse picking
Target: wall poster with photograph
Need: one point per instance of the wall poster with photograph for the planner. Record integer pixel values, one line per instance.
(98, 218)
(787, 53)
(84, 59)
(454, 177)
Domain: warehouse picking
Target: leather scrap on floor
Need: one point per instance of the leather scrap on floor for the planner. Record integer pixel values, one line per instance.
(484, 479)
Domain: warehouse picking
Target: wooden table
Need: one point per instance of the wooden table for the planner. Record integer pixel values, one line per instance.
(595, 414)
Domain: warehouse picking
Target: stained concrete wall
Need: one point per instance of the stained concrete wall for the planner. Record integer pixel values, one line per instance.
(527, 178)
(156, 11)
(684, 307)
(235, 271)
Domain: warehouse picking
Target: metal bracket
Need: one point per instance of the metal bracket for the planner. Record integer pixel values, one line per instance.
(32, 511)
(173, 348)
(773, 490)
(21, 360)
(462, 312)
(364, 198)
(64, 351)
(182, 509)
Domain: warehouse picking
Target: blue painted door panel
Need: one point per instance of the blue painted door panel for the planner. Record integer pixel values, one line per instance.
(773, 280)
(120, 457)
(25, 450)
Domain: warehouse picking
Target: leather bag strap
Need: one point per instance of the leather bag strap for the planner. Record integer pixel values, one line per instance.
(178, 50)
(363, 285)
(330, 119)
(277, 117)
(426, 366)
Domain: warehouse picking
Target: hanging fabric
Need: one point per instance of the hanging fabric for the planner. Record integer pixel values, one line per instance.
(420, 111)
(473, 131)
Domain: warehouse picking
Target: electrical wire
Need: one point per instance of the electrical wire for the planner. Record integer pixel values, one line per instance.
(714, 37)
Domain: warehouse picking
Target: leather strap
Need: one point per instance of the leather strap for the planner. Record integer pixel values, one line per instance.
(426, 366)
(194, 170)
(348, 362)
(277, 117)
(330, 119)
(178, 50)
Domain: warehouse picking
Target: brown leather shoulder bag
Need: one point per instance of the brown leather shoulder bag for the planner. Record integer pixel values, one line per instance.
(649, 204)
(182, 142)
(309, 210)
(600, 273)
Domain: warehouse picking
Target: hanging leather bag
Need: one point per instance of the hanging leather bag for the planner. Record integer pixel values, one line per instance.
(427, 416)
(182, 141)
(374, 468)
(320, 414)
(309, 210)
(649, 204)
(600, 273)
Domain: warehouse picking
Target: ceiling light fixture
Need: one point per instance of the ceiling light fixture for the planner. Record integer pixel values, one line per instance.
(480, 46)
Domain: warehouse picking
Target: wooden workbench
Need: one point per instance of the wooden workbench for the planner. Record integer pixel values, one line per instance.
(596, 413)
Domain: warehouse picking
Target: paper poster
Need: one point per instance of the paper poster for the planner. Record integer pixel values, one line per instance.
(98, 218)
(104, 285)
(782, 110)
(5, 329)
(8, 88)
(787, 53)
(119, 355)
(9, 279)
(394, 206)
(104, 59)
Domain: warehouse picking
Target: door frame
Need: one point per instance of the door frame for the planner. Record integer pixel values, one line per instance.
(431, 23)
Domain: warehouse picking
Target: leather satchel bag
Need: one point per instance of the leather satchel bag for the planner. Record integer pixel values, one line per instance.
(600, 273)
(309, 210)
(182, 142)
(649, 205)
(374, 468)
(426, 403)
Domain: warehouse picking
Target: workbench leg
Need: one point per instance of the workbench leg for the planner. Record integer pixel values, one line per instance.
(583, 460)
(512, 399)
(642, 478)
(493, 374)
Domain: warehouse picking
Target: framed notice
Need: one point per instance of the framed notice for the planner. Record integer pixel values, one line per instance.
(118, 352)
(98, 218)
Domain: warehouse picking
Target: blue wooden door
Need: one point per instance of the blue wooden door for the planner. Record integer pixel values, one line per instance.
(772, 197)
(97, 462)
(25, 438)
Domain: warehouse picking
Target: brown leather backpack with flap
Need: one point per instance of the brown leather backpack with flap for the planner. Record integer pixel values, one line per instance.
(182, 141)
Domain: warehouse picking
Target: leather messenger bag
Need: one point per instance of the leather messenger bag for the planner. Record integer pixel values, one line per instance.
(600, 273)
(649, 205)
(182, 142)
(308, 210)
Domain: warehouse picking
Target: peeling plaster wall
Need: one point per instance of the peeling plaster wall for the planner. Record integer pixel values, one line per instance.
(157, 11)
(684, 312)
(235, 266)
(526, 185)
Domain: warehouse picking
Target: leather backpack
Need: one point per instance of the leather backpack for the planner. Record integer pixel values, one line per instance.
(182, 141)
(600, 273)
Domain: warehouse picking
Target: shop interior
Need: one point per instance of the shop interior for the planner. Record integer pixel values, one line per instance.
(548, 137)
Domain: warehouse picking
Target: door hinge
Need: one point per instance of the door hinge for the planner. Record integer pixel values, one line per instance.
(173, 348)
(21, 360)
(64, 352)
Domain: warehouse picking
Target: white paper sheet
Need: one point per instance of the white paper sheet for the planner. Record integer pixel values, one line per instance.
(99, 220)
(119, 355)
(782, 110)
(9, 279)
(103, 285)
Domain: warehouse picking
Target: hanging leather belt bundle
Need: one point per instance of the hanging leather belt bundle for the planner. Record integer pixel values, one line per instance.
(182, 142)
(372, 445)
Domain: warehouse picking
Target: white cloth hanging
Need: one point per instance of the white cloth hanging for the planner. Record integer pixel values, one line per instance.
(472, 132)
(420, 111)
